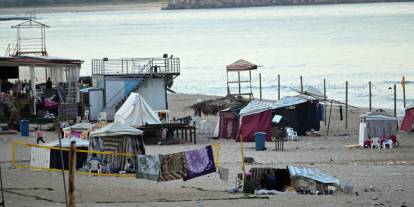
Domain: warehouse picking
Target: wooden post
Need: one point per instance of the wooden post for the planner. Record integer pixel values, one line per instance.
(324, 99)
(242, 157)
(2, 203)
(238, 74)
(346, 105)
(250, 81)
(370, 108)
(403, 88)
(260, 85)
(329, 121)
(301, 85)
(228, 88)
(278, 87)
(72, 168)
(395, 100)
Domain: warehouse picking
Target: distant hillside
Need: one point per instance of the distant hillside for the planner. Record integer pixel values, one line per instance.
(28, 3)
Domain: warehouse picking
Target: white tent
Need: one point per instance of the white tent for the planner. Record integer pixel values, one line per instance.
(79, 127)
(115, 129)
(136, 112)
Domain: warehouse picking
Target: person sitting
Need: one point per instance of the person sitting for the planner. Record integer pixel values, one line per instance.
(129, 167)
(48, 83)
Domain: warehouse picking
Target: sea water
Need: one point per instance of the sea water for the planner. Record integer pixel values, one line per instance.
(349, 42)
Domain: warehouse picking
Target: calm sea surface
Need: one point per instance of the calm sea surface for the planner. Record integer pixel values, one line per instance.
(356, 43)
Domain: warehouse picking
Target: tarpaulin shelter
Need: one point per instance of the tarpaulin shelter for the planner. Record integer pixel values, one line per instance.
(302, 113)
(50, 157)
(136, 112)
(408, 121)
(117, 138)
(77, 129)
(299, 112)
(229, 122)
(379, 124)
(255, 117)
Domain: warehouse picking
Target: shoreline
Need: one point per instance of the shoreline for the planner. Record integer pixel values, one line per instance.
(83, 8)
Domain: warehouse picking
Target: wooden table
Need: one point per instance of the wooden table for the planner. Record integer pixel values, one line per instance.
(178, 130)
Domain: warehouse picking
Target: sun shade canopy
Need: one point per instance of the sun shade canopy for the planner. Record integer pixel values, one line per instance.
(241, 65)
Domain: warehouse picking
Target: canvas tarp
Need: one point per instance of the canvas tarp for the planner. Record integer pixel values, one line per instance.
(408, 121)
(79, 127)
(136, 112)
(253, 123)
(241, 65)
(313, 174)
(116, 129)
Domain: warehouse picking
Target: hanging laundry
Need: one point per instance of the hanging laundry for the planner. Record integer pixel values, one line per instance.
(173, 166)
(199, 162)
(148, 167)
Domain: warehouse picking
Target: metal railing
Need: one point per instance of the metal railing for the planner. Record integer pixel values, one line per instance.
(136, 66)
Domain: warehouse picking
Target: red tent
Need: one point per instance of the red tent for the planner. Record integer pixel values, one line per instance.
(255, 117)
(229, 123)
(408, 121)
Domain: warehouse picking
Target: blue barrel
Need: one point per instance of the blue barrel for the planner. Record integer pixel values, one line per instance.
(24, 128)
(260, 141)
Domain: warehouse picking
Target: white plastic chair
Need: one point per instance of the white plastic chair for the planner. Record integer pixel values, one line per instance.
(291, 134)
(86, 115)
(376, 142)
(95, 165)
(387, 142)
(102, 117)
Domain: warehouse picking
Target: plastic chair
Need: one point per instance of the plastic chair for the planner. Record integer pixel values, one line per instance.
(387, 142)
(375, 142)
(102, 117)
(291, 134)
(86, 115)
(95, 166)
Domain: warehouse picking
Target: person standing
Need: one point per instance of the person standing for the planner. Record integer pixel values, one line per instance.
(39, 135)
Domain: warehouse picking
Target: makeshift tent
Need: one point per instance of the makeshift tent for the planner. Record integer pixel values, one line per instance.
(302, 113)
(255, 117)
(50, 158)
(117, 138)
(229, 122)
(136, 112)
(379, 124)
(408, 121)
(77, 129)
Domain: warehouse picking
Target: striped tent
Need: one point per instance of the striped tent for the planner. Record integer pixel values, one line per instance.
(120, 139)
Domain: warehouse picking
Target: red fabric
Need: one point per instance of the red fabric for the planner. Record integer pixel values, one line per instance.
(260, 122)
(226, 126)
(75, 134)
(407, 121)
(48, 104)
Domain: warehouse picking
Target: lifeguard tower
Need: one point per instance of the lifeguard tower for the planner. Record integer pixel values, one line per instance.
(240, 66)
(30, 39)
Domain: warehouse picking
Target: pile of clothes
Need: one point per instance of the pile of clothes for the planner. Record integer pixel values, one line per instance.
(183, 165)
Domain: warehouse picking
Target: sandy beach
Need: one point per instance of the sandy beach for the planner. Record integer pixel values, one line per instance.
(379, 177)
(83, 8)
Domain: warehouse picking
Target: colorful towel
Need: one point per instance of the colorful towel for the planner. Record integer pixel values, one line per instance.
(148, 167)
(199, 162)
(173, 166)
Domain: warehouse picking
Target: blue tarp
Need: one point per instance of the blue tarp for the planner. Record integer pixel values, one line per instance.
(313, 174)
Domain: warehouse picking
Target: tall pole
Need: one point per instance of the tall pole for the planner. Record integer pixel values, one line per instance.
(72, 167)
(346, 105)
(301, 85)
(329, 121)
(278, 87)
(260, 85)
(403, 88)
(370, 108)
(228, 88)
(238, 74)
(63, 171)
(2, 203)
(395, 100)
(324, 99)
